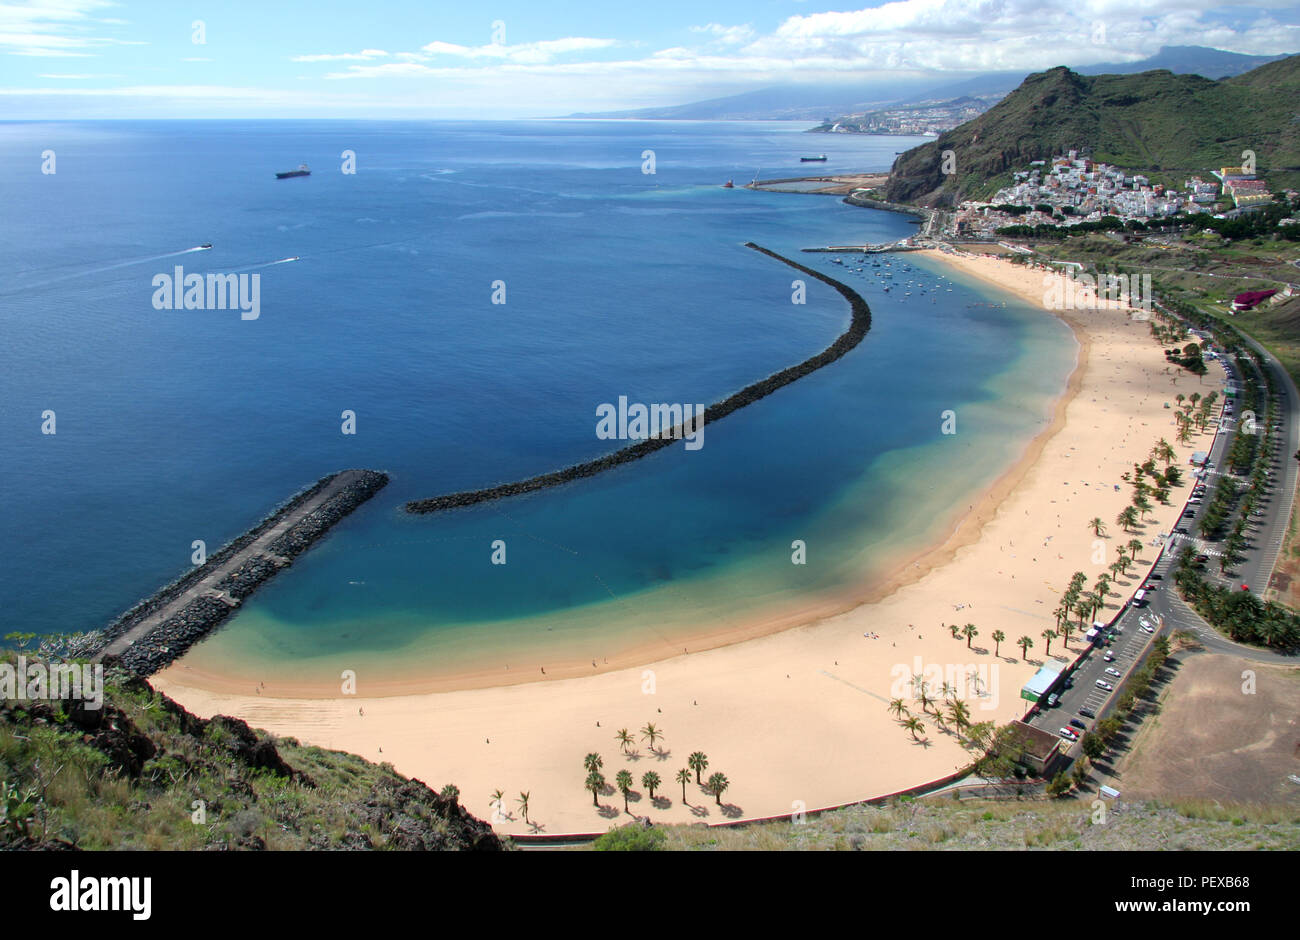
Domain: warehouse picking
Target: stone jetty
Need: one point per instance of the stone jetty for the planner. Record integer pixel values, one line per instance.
(859, 324)
(160, 628)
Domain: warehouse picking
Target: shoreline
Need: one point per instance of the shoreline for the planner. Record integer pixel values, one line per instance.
(961, 528)
(796, 716)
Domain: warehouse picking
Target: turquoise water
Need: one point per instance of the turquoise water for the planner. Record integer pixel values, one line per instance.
(177, 425)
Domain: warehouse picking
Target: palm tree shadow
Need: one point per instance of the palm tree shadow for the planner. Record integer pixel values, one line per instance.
(536, 827)
(663, 754)
(700, 810)
(633, 755)
(661, 802)
(609, 812)
(732, 811)
(633, 796)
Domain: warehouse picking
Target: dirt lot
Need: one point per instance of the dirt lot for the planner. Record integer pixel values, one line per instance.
(1209, 740)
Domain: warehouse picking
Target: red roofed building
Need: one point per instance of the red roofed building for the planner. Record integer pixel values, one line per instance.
(1251, 298)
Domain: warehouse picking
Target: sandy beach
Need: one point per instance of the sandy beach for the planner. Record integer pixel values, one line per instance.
(796, 719)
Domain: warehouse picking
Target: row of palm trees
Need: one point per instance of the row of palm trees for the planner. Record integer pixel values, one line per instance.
(970, 631)
(946, 710)
(698, 762)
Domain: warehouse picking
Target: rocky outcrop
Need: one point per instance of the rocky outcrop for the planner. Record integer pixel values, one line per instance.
(167, 641)
(859, 324)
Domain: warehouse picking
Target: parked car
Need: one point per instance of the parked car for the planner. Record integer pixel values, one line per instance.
(1109, 657)
(1052, 700)
(1102, 684)
(1078, 724)
(1069, 734)
(1148, 629)
(1201, 559)
(1156, 577)
(1087, 713)
(1114, 672)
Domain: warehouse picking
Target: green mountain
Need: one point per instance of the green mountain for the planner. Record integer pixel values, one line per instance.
(1153, 121)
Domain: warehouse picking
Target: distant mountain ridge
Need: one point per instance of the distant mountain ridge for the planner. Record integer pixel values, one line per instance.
(1153, 120)
(822, 102)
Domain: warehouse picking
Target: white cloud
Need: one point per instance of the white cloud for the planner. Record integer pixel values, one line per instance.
(57, 28)
(328, 57)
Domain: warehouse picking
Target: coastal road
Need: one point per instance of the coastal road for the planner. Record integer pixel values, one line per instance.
(206, 586)
(1163, 612)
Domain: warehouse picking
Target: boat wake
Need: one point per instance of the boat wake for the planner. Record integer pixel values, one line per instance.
(73, 275)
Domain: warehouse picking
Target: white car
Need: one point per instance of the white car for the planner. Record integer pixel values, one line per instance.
(1109, 657)
(1114, 672)
(1068, 734)
(1148, 629)
(1144, 621)
(1102, 684)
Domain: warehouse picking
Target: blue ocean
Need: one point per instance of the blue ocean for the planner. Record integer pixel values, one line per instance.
(377, 294)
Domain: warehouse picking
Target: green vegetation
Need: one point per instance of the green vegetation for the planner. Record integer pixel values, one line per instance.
(1156, 121)
(1014, 825)
(631, 838)
(143, 773)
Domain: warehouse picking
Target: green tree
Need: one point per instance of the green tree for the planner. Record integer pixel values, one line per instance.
(650, 780)
(592, 762)
(651, 733)
(718, 784)
(631, 838)
(698, 763)
(683, 777)
(523, 804)
(1024, 643)
(595, 783)
(914, 725)
(1048, 635)
(623, 780)
(899, 708)
(970, 633)
(1098, 527)
(624, 739)
(998, 637)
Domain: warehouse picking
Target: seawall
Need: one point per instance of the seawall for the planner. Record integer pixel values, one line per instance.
(859, 324)
(160, 628)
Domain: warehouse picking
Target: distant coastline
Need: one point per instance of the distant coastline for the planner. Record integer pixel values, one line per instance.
(859, 324)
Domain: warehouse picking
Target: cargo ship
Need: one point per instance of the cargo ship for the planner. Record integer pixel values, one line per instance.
(301, 171)
(820, 158)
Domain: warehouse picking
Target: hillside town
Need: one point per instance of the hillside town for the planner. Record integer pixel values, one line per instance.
(1070, 189)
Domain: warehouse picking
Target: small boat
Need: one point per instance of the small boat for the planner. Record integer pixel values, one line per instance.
(206, 245)
(301, 171)
(820, 158)
(729, 185)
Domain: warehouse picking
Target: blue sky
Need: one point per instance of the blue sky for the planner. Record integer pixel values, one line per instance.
(429, 58)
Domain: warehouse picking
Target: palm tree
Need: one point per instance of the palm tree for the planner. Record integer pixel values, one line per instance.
(651, 733)
(947, 690)
(956, 631)
(970, 632)
(924, 698)
(959, 714)
(623, 780)
(718, 783)
(1134, 547)
(998, 637)
(1098, 527)
(914, 725)
(624, 739)
(1024, 643)
(683, 777)
(592, 762)
(523, 804)
(898, 707)
(496, 799)
(650, 780)
(595, 783)
(698, 763)
(1128, 518)
(1048, 635)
